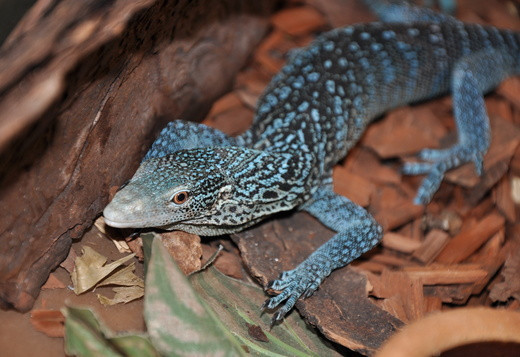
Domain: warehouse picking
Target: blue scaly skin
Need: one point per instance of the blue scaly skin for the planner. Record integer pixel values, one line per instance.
(199, 180)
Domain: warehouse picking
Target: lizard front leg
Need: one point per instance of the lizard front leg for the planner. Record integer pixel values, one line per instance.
(472, 76)
(184, 135)
(357, 233)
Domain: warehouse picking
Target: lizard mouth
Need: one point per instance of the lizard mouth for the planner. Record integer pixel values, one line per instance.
(114, 219)
(121, 224)
(127, 218)
(124, 218)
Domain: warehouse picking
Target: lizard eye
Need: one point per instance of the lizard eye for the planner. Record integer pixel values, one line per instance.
(180, 197)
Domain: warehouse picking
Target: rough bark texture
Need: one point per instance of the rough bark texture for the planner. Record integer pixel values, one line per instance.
(340, 308)
(84, 87)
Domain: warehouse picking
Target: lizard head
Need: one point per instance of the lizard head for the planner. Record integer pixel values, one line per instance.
(207, 191)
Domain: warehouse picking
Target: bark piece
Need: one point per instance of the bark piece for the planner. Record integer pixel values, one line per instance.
(184, 248)
(445, 220)
(398, 214)
(344, 12)
(445, 275)
(298, 20)
(234, 121)
(505, 137)
(364, 163)
(510, 286)
(340, 308)
(352, 186)
(227, 263)
(391, 260)
(53, 283)
(400, 242)
(491, 257)
(433, 244)
(504, 199)
(49, 322)
(402, 289)
(410, 133)
(468, 241)
(85, 86)
(451, 294)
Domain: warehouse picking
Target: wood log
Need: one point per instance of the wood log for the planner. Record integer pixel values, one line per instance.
(84, 88)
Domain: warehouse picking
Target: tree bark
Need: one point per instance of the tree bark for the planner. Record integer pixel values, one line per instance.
(84, 88)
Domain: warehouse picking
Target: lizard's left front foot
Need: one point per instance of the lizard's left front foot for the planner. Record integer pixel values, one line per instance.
(440, 162)
(293, 284)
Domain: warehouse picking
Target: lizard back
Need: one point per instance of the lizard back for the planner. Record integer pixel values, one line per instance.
(328, 92)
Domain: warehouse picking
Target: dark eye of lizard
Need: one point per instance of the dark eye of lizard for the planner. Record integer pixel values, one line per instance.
(180, 197)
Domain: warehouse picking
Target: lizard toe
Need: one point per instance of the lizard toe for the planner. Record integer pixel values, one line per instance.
(441, 160)
(293, 284)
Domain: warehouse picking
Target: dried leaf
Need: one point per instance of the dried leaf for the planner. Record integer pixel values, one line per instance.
(123, 277)
(123, 295)
(90, 269)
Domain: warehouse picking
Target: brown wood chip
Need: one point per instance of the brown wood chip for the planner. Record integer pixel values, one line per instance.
(433, 244)
(468, 241)
(298, 20)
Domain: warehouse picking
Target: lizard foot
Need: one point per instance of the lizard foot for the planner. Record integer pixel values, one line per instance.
(293, 284)
(441, 161)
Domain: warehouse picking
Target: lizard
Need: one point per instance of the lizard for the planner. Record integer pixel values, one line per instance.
(197, 179)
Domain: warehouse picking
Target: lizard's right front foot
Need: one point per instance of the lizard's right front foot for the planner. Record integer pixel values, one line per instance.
(441, 161)
(293, 284)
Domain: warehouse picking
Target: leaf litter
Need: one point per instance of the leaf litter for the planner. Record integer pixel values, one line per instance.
(91, 271)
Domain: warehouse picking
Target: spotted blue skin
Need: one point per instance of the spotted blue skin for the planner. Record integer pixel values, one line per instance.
(308, 118)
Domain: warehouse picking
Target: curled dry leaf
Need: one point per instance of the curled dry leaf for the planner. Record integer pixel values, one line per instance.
(90, 269)
(123, 295)
(123, 277)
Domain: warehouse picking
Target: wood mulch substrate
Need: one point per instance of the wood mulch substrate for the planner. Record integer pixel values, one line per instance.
(462, 249)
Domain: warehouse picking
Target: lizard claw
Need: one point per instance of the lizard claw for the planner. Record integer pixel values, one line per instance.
(441, 161)
(300, 282)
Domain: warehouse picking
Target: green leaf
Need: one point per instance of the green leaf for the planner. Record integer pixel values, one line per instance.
(237, 306)
(212, 314)
(85, 336)
(178, 321)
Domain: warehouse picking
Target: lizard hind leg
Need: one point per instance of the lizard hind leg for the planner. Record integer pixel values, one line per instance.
(471, 77)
